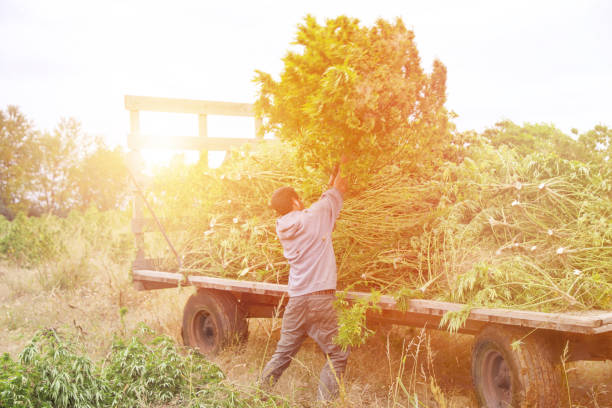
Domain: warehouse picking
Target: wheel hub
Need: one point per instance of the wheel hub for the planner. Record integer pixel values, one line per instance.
(497, 387)
(205, 330)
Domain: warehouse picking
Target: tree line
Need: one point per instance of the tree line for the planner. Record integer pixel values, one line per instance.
(54, 172)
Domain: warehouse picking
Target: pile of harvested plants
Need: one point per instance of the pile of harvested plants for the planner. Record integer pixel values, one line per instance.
(493, 228)
(515, 217)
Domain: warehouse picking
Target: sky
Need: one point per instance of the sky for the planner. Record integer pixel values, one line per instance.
(526, 61)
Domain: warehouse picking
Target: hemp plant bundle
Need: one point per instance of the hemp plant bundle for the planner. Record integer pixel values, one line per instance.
(487, 220)
(358, 92)
(494, 229)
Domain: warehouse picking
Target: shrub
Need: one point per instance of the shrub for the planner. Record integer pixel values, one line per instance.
(142, 369)
(66, 242)
(51, 374)
(29, 241)
(149, 368)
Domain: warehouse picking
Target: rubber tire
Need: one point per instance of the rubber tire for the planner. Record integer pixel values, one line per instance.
(530, 372)
(212, 320)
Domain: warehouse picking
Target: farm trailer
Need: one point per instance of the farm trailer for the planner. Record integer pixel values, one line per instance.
(526, 375)
(516, 354)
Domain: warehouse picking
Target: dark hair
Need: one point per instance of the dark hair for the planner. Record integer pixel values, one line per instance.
(282, 200)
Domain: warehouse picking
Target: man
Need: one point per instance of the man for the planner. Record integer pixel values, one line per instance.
(305, 235)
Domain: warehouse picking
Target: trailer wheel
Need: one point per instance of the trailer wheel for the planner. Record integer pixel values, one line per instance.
(523, 376)
(213, 319)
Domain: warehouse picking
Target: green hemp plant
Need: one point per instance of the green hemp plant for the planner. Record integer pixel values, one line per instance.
(359, 92)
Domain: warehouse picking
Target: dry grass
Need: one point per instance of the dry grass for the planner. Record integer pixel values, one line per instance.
(400, 367)
(90, 311)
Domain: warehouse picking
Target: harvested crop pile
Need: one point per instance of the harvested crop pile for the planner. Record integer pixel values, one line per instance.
(359, 92)
(516, 217)
(494, 229)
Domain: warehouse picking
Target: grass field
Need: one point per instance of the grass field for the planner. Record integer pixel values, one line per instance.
(400, 367)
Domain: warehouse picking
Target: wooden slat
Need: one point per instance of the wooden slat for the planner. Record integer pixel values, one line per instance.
(173, 105)
(213, 283)
(186, 142)
(202, 126)
(149, 285)
(421, 320)
(261, 288)
(552, 318)
(590, 323)
(439, 308)
(158, 276)
(258, 125)
(606, 318)
(552, 321)
(134, 122)
(606, 328)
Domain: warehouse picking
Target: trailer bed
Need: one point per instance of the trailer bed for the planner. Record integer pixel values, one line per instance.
(261, 298)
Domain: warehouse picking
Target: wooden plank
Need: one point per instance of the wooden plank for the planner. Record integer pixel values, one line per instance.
(590, 324)
(134, 122)
(174, 105)
(261, 288)
(138, 206)
(134, 162)
(149, 285)
(553, 318)
(419, 320)
(202, 126)
(137, 225)
(258, 125)
(203, 133)
(438, 308)
(186, 142)
(500, 314)
(606, 318)
(607, 328)
(158, 276)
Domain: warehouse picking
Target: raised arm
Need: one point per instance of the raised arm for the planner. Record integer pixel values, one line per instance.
(330, 203)
(336, 179)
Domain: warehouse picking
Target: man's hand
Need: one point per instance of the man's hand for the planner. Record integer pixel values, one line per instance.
(336, 180)
(332, 176)
(340, 183)
(336, 171)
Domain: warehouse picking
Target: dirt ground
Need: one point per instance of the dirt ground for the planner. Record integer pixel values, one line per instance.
(393, 369)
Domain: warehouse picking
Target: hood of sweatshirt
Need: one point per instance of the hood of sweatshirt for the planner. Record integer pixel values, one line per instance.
(289, 225)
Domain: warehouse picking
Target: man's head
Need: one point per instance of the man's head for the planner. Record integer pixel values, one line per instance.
(284, 200)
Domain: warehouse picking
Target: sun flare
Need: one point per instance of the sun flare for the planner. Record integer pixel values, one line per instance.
(160, 128)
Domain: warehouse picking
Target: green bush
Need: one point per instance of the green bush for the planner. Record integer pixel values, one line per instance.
(15, 388)
(29, 241)
(50, 374)
(148, 368)
(142, 369)
(74, 239)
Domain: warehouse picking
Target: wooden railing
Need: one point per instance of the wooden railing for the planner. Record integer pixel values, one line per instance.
(136, 104)
(203, 143)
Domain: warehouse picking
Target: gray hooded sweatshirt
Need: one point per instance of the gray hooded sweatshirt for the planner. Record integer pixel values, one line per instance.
(306, 239)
